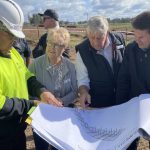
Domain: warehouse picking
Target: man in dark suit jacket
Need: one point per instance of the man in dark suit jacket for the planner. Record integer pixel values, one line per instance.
(134, 74)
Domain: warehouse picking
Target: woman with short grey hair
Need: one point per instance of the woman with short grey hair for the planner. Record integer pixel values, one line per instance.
(56, 72)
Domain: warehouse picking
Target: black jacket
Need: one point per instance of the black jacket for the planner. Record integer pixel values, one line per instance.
(102, 77)
(40, 47)
(134, 74)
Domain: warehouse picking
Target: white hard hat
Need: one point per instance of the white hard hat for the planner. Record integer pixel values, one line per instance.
(12, 17)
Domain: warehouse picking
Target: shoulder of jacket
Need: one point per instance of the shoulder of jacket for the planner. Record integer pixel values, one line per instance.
(132, 45)
(16, 54)
(40, 59)
(43, 37)
(82, 44)
(68, 63)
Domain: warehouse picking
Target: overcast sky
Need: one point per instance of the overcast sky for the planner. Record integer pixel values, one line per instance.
(79, 10)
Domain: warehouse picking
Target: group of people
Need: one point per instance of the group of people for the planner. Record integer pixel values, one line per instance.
(106, 72)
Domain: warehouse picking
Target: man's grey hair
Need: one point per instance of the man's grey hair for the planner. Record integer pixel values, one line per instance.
(97, 24)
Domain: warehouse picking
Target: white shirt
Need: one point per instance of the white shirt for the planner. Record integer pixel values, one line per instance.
(81, 70)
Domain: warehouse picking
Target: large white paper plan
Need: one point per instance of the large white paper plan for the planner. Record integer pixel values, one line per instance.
(112, 128)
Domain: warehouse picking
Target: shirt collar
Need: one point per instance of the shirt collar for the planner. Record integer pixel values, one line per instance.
(108, 42)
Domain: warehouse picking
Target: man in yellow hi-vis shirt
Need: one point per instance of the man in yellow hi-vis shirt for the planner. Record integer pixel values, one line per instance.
(15, 81)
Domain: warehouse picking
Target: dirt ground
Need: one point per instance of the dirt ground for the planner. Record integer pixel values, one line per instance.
(30, 141)
(143, 145)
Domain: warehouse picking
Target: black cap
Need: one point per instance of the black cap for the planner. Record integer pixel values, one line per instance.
(51, 13)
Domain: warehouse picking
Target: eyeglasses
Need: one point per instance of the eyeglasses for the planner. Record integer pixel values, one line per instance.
(56, 46)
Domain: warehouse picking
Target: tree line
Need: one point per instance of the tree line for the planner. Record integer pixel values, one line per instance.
(36, 20)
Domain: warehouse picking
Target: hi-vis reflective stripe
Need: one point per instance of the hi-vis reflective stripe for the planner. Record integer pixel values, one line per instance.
(31, 110)
(29, 119)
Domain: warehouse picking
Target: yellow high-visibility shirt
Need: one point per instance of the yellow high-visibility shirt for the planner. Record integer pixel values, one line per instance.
(13, 77)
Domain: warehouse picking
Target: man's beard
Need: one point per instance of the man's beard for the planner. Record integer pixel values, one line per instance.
(5, 53)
